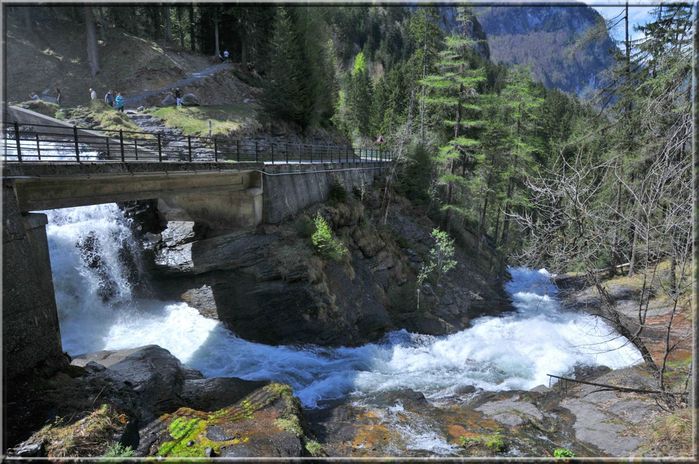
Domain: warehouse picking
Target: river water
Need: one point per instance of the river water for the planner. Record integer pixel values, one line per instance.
(94, 257)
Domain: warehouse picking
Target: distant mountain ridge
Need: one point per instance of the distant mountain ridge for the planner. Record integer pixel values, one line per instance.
(567, 47)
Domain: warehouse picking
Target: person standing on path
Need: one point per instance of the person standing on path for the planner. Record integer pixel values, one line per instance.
(119, 102)
(59, 97)
(178, 97)
(109, 98)
(93, 94)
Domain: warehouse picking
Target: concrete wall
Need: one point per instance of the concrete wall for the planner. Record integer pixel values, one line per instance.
(289, 189)
(31, 337)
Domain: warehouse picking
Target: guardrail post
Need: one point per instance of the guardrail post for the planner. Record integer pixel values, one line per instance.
(106, 139)
(38, 147)
(300, 150)
(189, 147)
(135, 147)
(121, 144)
(215, 151)
(256, 151)
(346, 155)
(286, 153)
(160, 149)
(272, 147)
(321, 155)
(77, 148)
(237, 150)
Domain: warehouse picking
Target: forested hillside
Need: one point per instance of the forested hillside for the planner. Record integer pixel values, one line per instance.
(568, 48)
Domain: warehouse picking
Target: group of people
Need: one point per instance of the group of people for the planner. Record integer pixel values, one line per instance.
(58, 97)
(116, 102)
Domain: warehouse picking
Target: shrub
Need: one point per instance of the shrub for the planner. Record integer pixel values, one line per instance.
(493, 442)
(314, 448)
(117, 450)
(417, 176)
(337, 193)
(563, 453)
(304, 226)
(325, 242)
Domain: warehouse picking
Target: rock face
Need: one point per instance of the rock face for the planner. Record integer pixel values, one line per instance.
(265, 423)
(271, 286)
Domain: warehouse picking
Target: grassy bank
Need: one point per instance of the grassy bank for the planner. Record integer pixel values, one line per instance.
(194, 120)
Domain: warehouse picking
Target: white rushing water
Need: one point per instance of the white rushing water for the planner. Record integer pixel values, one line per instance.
(98, 310)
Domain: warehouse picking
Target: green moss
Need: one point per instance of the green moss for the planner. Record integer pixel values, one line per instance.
(494, 442)
(563, 453)
(315, 449)
(117, 450)
(225, 119)
(190, 440)
(290, 424)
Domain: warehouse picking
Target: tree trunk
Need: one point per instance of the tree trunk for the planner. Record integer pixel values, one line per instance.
(192, 44)
(178, 9)
(505, 217)
(168, 24)
(155, 21)
(217, 48)
(91, 34)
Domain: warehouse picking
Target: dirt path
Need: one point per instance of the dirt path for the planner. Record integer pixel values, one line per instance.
(133, 101)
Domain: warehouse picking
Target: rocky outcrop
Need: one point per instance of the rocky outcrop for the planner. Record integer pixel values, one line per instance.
(266, 423)
(270, 285)
(106, 399)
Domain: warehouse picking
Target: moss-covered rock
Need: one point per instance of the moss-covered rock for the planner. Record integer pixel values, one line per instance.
(267, 422)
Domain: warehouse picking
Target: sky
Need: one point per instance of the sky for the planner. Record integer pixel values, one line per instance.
(638, 15)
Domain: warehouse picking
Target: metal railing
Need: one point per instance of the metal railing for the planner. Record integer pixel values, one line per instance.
(55, 144)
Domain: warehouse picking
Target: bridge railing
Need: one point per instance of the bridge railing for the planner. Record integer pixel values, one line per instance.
(52, 143)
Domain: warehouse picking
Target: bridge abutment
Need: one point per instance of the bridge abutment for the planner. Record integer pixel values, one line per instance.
(31, 333)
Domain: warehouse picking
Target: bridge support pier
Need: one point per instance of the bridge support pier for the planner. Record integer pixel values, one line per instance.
(31, 333)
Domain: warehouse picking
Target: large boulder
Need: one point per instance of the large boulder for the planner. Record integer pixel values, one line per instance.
(217, 392)
(189, 99)
(266, 423)
(151, 371)
(169, 100)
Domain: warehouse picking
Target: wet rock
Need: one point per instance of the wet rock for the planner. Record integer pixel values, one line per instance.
(189, 99)
(178, 233)
(218, 392)
(266, 423)
(28, 449)
(151, 371)
(511, 411)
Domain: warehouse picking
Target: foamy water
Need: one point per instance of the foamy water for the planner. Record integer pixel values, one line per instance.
(514, 351)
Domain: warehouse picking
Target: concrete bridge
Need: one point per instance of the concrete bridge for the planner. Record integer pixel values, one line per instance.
(223, 195)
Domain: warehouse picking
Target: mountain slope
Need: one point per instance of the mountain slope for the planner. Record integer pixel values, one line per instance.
(567, 47)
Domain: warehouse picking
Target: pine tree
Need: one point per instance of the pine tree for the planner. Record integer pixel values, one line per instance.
(285, 94)
(453, 91)
(359, 96)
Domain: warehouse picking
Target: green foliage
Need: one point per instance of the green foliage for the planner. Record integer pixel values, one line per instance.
(304, 226)
(337, 193)
(314, 448)
(440, 261)
(359, 64)
(563, 453)
(325, 242)
(117, 450)
(494, 442)
(300, 86)
(416, 179)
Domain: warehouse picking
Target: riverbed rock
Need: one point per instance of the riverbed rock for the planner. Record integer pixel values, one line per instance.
(151, 371)
(511, 411)
(266, 423)
(271, 286)
(217, 392)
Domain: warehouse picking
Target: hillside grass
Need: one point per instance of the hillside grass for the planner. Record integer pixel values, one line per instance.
(103, 116)
(194, 120)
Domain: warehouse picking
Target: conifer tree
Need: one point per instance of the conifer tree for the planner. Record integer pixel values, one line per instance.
(453, 92)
